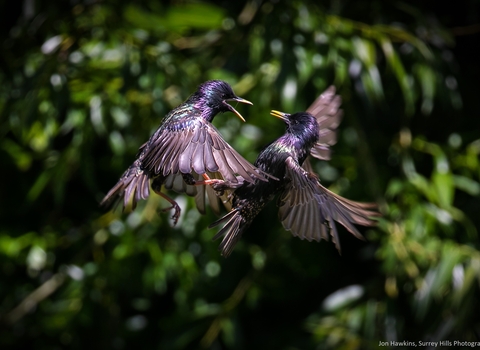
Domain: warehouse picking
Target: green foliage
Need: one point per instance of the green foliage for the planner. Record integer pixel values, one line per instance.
(83, 85)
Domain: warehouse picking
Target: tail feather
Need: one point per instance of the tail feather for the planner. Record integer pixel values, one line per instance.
(133, 186)
(231, 232)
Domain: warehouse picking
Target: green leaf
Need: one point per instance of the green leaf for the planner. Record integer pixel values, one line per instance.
(178, 18)
(21, 158)
(39, 186)
(365, 51)
(428, 80)
(467, 185)
(451, 256)
(394, 188)
(194, 15)
(442, 177)
(444, 187)
(394, 62)
(142, 19)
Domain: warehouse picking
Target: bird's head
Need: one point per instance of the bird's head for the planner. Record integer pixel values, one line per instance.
(215, 94)
(301, 123)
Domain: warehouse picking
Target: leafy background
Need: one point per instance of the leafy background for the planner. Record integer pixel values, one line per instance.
(85, 83)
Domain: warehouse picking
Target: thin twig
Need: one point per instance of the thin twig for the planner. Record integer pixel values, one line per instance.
(35, 297)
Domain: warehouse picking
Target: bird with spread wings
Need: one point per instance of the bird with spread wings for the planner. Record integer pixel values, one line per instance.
(187, 154)
(306, 208)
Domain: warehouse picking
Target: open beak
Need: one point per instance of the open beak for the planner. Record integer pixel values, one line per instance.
(281, 115)
(237, 99)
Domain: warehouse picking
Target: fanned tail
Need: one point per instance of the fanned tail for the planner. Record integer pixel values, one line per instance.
(134, 185)
(235, 224)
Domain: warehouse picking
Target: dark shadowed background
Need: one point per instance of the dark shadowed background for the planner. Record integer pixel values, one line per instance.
(84, 83)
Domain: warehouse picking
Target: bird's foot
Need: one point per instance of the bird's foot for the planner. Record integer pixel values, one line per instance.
(208, 181)
(176, 214)
(224, 185)
(211, 182)
(156, 188)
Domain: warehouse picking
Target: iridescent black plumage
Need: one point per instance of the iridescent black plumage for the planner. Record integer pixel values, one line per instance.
(306, 208)
(185, 148)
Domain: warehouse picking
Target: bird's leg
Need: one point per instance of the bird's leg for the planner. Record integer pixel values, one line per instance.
(220, 186)
(156, 187)
(190, 180)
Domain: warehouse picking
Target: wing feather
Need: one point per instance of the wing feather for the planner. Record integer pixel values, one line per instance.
(200, 148)
(326, 110)
(193, 146)
(198, 160)
(308, 209)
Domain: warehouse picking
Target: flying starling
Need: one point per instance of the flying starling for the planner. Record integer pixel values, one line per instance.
(186, 153)
(306, 208)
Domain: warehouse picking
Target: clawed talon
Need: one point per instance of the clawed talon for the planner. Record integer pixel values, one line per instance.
(222, 186)
(175, 215)
(173, 206)
(225, 185)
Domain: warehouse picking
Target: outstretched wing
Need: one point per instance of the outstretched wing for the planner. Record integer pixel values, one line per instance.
(309, 210)
(326, 109)
(133, 186)
(196, 146)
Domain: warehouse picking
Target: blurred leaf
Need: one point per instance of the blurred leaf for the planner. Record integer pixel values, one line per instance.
(398, 69)
(177, 18)
(143, 19)
(467, 185)
(12, 246)
(22, 158)
(194, 15)
(427, 79)
(39, 186)
(372, 83)
(366, 51)
(444, 188)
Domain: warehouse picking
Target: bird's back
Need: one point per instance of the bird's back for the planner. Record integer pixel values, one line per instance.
(257, 194)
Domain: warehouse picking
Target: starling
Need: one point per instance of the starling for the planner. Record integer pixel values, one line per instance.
(306, 208)
(186, 153)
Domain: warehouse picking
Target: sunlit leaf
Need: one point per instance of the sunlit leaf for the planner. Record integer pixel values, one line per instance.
(444, 188)
(194, 15)
(398, 69)
(143, 19)
(427, 79)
